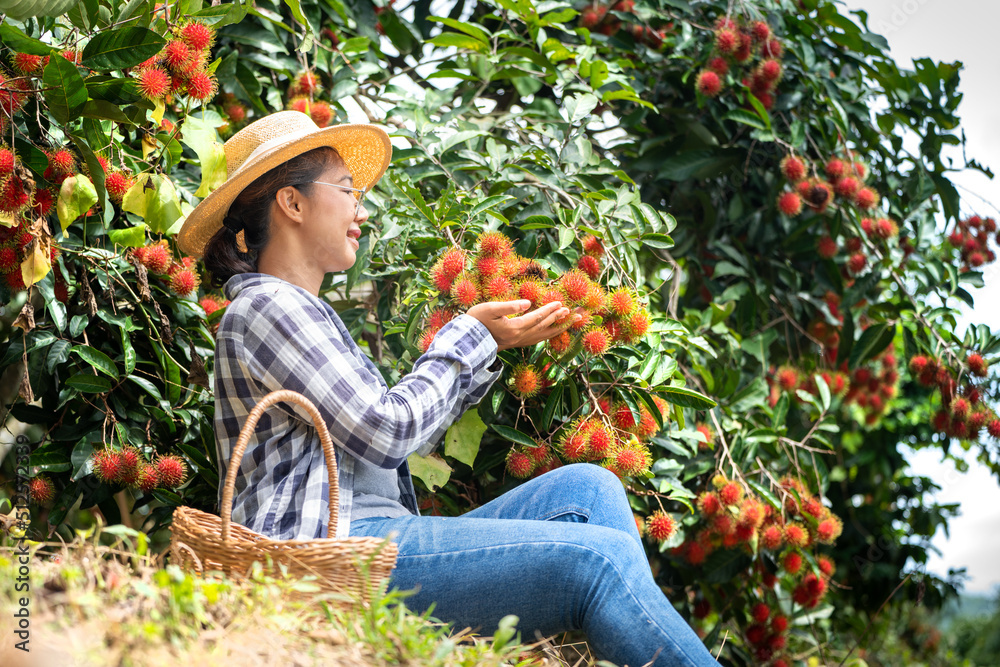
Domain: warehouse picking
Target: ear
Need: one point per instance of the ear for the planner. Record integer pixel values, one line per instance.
(289, 202)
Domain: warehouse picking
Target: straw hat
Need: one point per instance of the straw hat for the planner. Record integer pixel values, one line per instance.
(266, 143)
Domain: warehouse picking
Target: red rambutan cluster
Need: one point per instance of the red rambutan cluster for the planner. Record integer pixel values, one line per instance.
(735, 46)
(971, 237)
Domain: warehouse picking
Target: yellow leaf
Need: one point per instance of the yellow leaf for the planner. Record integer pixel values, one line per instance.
(76, 195)
(148, 146)
(158, 111)
(7, 219)
(36, 265)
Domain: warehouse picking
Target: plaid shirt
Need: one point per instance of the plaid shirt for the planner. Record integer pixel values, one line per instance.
(276, 335)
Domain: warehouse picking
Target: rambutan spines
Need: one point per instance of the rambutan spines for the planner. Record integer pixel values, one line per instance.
(525, 380)
(708, 83)
(494, 244)
(41, 490)
(977, 365)
(790, 203)
(661, 526)
(793, 169)
(153, 83)
(171, 471)
(576, 284)
(519, 464)
(596, 341)
(202, 86)
(197, 35)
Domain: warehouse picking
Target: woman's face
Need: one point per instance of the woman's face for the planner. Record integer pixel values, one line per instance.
(332, 225)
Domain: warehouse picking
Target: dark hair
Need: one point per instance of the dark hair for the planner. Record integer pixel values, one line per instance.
(252, 210)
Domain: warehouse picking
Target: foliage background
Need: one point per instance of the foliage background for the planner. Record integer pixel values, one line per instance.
(529, 123)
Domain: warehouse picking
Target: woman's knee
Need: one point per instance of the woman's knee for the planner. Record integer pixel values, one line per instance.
(590, 475)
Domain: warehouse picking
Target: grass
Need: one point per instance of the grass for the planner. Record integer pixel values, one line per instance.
(105, 599)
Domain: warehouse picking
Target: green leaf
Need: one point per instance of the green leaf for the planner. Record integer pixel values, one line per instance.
(97, 359)
(872, 342)
(121, 48)
(745, 117)
(657, 240)
(514, 435)
(154, 199)
(824, 391)
(468, 28)
(21, 43)
(19, 11)
(130, 237)
(76, 195)
(64, 90)
(463, 437)
(453, 39)
(686, 398)
(200, 135)
(489, 202)
(432, 470)
(91, 384)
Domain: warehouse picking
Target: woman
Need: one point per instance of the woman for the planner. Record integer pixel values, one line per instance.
(561, 552)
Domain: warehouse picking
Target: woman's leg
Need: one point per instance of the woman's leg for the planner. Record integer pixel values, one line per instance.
(580, 492)
(555, 575)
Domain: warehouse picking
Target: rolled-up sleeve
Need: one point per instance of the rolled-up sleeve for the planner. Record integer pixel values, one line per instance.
(294, 346)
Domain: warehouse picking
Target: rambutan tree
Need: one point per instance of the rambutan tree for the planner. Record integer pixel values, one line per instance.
(768, 272)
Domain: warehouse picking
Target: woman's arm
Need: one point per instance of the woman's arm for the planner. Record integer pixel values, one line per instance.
(290, 344)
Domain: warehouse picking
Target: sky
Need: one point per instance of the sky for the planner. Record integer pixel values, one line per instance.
(948, 31)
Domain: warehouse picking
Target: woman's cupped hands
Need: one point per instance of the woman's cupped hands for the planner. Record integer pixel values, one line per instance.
(527, 329)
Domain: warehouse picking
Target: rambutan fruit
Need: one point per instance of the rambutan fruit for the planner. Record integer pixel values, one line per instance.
(321, 113)
(595, 299)
(813, 507)
(26, 63)
(835, 169)
(575, 284)
(796, 535)
(731, 493)
(727, 41)
(787, 378)
(592, 246)
(630, 460)
(8, 259)
(760, 612)
(709, 434)
(709, 504)
(599, 442)
(210, 304)
(780, 622)
(171, 471)
(560, 343)
(719, 65)
(792, 562)
(519, 464)
(440, 317)
(793, 169)
(198, 35)
(773, 49)
(770, 70)
(826, 566)
(40, 490)
(790, 204)
(494, 244)
(760, 31)
(637, 324)
(622, 417)
(184, 282)
(7, 161)
(590, 266)
(117, 183)
(487, 265)
(847, 187)
(464, 291)
(202, 86)
(960, 408)
(993, 427)
(147, 479)
(13, 196)
(816, 194)
(857, 263)
(661, 526)
(866, 199)
(497, 288)
(826, 247)
(696, 554)
(621, 302)
(918, 363)
(156, 257)
(175, 54)
(977, 365)
(708, 83)
(595, 341)
(723, 524)
(751, 512)
(62, 162)
(885, 228)
(306, 83)
(452, 262)
(153, 83)
(590, 18)
(426, 338)
(525, 380)
(772, 537)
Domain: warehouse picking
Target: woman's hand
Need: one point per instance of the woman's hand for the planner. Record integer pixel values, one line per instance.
(536, 326)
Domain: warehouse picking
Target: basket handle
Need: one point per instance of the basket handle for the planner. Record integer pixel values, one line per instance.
(244, 439)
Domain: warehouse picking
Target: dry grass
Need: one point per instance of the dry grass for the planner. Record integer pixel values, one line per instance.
(105, 600)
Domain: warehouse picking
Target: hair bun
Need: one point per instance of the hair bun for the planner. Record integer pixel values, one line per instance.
(232, 223)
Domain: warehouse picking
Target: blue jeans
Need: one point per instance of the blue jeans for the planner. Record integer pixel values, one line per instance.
(561, 552)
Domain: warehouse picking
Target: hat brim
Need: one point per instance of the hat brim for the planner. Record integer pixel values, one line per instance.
(365, 149)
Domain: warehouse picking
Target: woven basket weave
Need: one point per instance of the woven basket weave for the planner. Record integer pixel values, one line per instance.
(203, 542)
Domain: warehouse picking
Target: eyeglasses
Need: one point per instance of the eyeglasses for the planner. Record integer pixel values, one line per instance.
(359, 194)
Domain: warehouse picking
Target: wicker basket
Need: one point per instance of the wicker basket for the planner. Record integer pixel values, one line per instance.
(203, 542)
